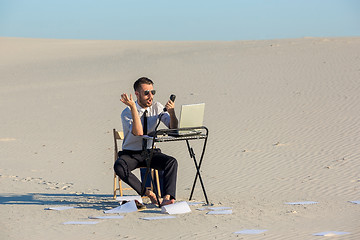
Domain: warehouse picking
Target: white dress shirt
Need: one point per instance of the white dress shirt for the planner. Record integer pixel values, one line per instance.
(132, 142)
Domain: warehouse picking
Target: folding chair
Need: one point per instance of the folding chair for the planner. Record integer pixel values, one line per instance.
(119, 135)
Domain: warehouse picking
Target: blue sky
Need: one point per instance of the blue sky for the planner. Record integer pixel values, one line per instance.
(187, 20)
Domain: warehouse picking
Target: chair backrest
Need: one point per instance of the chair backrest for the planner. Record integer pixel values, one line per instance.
(118, 135)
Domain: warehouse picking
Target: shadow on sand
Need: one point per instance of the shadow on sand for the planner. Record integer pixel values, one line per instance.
(93, 201)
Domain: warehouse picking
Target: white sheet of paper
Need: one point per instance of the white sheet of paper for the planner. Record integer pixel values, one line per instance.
(125, 208)
(176, 208)
(219, 208)
(330, 233)
(301, 203)
(106, 217)
(157, 218)
(202, 209)
(80, 223)
(59, 208)
(220, 212)
(356, 202)
(194, 203)
(251, 231)
(129, 198)
(213, 208)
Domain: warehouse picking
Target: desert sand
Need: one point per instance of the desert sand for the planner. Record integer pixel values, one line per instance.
(283, 119)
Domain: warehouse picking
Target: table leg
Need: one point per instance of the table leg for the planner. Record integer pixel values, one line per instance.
(192, 155)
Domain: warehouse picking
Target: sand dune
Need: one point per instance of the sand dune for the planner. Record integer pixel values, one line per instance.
(284, 121)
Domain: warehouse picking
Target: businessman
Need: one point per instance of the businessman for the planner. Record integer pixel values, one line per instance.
(139, 118)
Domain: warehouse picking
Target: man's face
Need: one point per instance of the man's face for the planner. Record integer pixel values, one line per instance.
(145, 95)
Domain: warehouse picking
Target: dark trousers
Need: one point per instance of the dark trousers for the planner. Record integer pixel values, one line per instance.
(130, 160)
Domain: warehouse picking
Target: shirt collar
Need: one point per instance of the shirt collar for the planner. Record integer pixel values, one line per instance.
(141, 109)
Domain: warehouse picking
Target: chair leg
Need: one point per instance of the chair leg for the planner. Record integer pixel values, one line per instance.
(115, 186)
(120, 188)
(155, 175)
(117, 179)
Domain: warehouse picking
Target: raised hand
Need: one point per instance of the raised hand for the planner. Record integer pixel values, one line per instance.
(128, 101)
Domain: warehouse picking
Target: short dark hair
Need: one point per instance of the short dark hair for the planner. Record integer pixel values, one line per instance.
(142, 80)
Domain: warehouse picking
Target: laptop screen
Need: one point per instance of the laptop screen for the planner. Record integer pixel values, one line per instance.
(192, 115)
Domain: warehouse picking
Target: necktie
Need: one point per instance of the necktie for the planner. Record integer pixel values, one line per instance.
(145, 130)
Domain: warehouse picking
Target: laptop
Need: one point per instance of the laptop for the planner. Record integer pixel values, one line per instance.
(191, 115)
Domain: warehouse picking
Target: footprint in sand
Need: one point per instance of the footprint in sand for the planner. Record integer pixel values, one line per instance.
(50, 185)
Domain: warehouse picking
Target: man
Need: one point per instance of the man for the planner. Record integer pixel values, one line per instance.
(132, 155)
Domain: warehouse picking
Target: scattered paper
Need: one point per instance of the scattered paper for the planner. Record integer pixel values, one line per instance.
(251, 231)
(202, 209)
(329, 234)
(81, 223)
(356, 202)
(129, 198)
(58, 208)
(219, 208)
(213, 208)
(194, 203)
(107, 217)
(125, 208)
(301, 203)
(176, 208)
(157, 218)
(220, 212)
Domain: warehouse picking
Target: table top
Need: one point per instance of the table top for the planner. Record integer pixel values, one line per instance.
(167, 138)
(164, 135)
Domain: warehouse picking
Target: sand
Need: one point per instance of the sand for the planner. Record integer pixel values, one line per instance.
(283, 117)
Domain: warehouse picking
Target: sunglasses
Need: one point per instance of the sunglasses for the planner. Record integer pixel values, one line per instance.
(146, 92)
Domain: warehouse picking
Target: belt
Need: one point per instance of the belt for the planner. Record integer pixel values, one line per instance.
(130, 152)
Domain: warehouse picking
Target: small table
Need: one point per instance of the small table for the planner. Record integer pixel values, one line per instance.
(162, 135)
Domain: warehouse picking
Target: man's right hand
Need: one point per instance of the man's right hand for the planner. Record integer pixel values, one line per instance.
(137, 128)
(128, 101)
